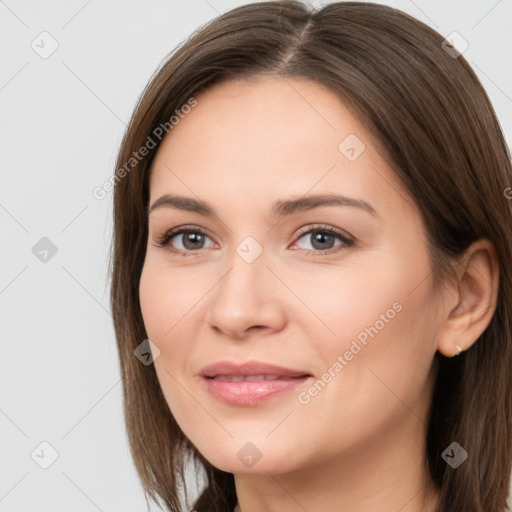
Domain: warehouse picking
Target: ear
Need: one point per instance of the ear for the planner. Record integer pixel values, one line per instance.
(471, 300)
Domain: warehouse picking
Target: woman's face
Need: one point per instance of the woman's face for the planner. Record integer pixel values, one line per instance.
(339, 295)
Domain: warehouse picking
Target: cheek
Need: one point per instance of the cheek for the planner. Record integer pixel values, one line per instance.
(381, 358)
(165, 300)
(168, 299)
(336, 305)
(153, 303)
(374, 331)
(172, 305)
(366, 388)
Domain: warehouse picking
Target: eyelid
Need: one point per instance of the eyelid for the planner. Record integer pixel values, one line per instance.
(323, 227)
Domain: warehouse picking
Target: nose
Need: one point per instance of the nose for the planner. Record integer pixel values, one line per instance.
(248, 298)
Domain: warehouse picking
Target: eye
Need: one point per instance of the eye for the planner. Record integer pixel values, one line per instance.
(192, 239)
(323, 239)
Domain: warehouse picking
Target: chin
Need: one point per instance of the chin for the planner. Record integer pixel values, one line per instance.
(253, 458)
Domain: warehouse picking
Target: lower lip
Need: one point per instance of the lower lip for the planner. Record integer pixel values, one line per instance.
(251, 392)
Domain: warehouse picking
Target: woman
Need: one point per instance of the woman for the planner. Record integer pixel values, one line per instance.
(369, 374)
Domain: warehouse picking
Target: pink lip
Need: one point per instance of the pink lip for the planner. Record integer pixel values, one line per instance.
(217, 379)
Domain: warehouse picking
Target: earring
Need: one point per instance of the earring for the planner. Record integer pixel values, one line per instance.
(459, 350)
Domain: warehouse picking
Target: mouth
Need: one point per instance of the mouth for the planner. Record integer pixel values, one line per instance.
(250, 383)
(253, 378)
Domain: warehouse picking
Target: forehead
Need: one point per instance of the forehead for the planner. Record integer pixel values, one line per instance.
(268, 138)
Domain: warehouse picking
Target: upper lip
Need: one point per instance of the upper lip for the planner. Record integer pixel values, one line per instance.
(249, 368)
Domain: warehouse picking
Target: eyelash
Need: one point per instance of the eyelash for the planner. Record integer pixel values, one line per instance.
(163, 240)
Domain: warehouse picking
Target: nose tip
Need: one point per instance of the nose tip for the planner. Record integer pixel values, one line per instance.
(245, 301)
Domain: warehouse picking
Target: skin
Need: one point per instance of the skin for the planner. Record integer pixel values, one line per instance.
(358, 444)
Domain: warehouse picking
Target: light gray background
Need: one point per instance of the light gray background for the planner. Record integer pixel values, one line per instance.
(62, 119)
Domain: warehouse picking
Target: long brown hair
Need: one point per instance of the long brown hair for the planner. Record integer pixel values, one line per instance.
(434, 124)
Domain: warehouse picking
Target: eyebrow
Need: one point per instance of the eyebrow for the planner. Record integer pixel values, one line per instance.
(280, 208)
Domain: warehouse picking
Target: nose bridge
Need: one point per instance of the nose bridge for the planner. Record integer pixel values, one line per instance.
(246, 294)
(245, 282)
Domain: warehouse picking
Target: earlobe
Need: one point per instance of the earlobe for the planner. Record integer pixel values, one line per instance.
(475, 299)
